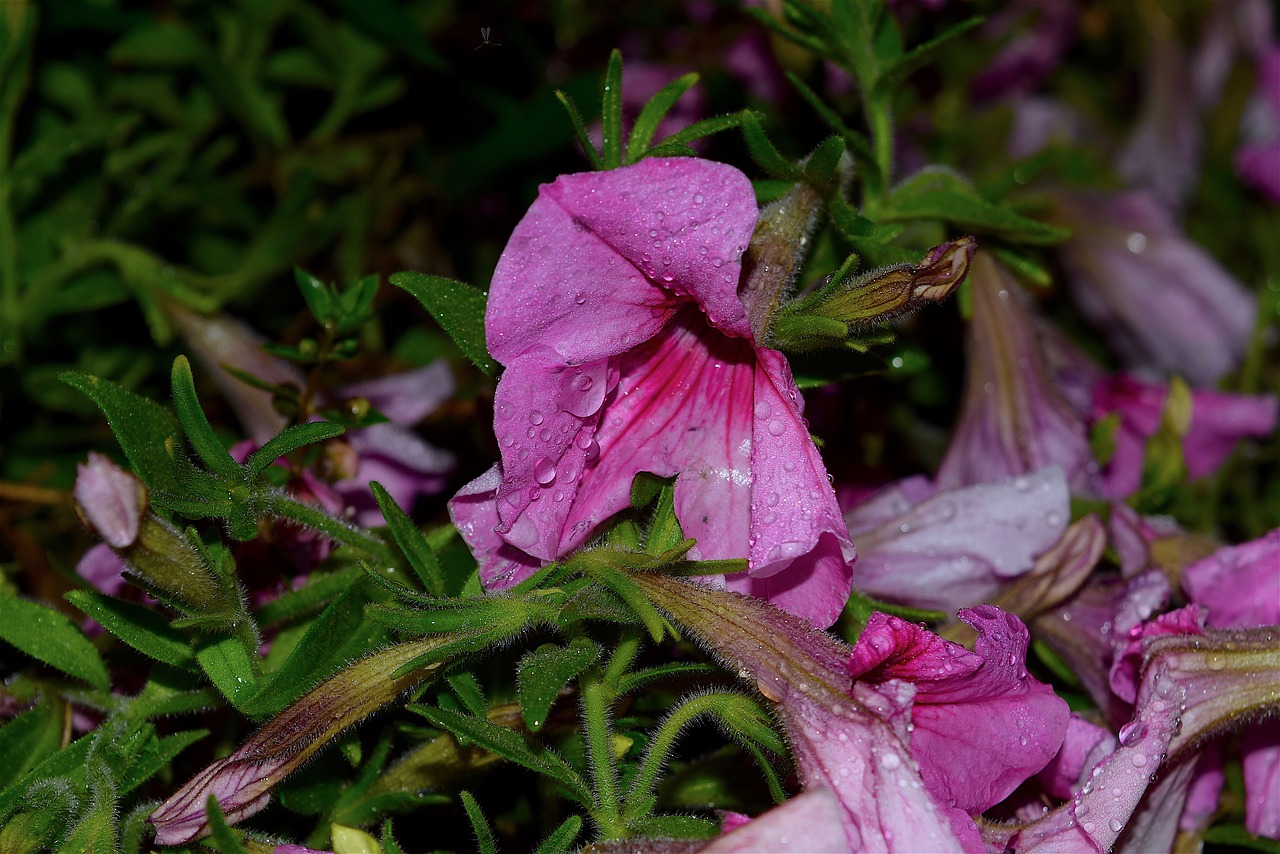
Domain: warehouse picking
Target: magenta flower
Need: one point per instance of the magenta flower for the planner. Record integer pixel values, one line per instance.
(616, 312)
(1258, 158)
(1013, 419)
(982, 724)
(1218, 422)
(1164, 304)
(958, 547)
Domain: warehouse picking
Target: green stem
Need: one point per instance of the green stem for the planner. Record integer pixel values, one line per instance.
(312, 517)
(639, 799)
(880, 122)
(623, 655)
(599, 733)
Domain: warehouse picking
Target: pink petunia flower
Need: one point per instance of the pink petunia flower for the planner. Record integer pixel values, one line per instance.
(615, 308)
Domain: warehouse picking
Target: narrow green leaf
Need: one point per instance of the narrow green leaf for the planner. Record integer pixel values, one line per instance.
(289, 440)
(65, 762)
(422, 559)
(599, 567)
(44, 634)
(763, 152)
(849, 221)
(139, 627)
(29, 739)
(147, 433)
(228, 667)
(96, 829)
(544, 672)
(611, 113)
(821, 166)
(197, 427)
(510, 745)
(579, 130)
(458, 308)
(918, 56)
(320, 588)
(226, 840)
(479, 824)
(468, 690)
(653, 113)
(700, 129)
(639, 678)
(157, 760)
(941, 195)
(562, 838)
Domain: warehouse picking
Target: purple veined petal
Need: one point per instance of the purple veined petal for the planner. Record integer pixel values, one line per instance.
(111, 500)
(959, 547)
(983, 725)
(811, 822)
(407, 397)
(474, 513)
(640, 240)
(1013, 420)
(1164, 304)
(1260, 746)
(241, 787)
(1239, 585)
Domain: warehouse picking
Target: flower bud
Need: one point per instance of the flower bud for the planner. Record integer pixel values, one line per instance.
(110, 500)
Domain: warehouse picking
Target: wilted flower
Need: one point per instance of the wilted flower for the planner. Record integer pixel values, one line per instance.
(1258, 159)
(1013, 420)
(615, 309)
(1163, 303)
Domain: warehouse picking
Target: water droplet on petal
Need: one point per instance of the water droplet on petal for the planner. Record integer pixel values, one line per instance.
(1132, 732)
(544, 471)
(777, 428)
(535, 417)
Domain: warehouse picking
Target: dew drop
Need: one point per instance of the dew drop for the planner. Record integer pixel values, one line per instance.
(1053, 519)
(1139, 760)
(544, 471)
(763, 410)
(545, 434)
(777, 428)
(1115, 824)
(580, 299)
(535, 417)
(1021, 484)
(1132, 732)
(890, 761)
(772, 500)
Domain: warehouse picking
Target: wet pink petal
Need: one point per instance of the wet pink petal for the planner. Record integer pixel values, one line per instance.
(474, 512)
(959, 547)
(1127, 669)
(1084, 746)
(810, 823)
(982, 723)
(1204, 790)
(638, 356)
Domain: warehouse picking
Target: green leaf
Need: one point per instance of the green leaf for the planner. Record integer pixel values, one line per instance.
(357, 303)
(29, 739)
(579, 130)
(65, 762)
(763, 152)
(698, 130)
(158, 758)
(676, 827)
(197, 427)
(468, 690)
(639, 678)
(562, 838)
(653, 113)
(147, 433)
(479, 824)
(228, 667)
(320, 588)
(936, 194)
(139, 627)
(44, 634)
(1236, 836)
(510, 745)
(849, 221)
(318, 296)
(289, 440)
(822, 164)
(458, 308)
(894, 72)
(317, 656)
(96, 830)
(611, 113)
(422, 559)
(223, 837)
(544, 672)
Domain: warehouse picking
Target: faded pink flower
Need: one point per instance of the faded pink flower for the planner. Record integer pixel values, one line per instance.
(1258, 158)
(615, 309)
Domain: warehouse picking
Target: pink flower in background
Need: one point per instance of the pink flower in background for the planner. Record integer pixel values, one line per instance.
(1164, 305)
(615, 310)
(1258, 158)
(1219, 421)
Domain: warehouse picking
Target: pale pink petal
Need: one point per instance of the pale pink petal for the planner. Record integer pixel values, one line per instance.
(407, 397)
(809, 823)
(961, 546)
(1126, 672)
(102, 568)
(598, 264)
(110, 499)
(982, 723)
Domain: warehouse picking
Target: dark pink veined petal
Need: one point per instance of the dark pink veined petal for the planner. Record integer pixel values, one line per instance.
(601, 260)
(1126, 671)
(982, 723)
(1204, 790)
(1239, 585)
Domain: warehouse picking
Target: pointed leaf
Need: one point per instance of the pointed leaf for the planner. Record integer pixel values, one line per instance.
(611, 113)
(579, 130)
(29, 739)
(479, 824)
(316, 294)
(289, 440)
(47, 635)
(763, 152)
(544, 672)
(653, 113)
(197, 427)
(458, 308)
(422, 559)
(945, 196)
(228, 667)
(562, 838)
(139, 627)
(147, 433)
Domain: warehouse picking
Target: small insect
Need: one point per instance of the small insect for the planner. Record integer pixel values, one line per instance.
(484, 34)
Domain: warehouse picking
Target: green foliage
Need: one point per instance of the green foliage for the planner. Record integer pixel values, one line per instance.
(458, 308)
(50, 637)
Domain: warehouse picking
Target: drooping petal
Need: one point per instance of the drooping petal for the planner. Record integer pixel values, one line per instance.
(1239, 585)
(1083, 747)
(1260, 746)
(1013, 420)
(474, 512)
(959, 547)
(600, 261)
(982, 723)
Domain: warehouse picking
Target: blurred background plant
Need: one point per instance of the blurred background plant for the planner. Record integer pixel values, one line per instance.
(167, 166)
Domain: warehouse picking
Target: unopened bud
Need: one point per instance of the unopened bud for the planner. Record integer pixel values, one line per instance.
(110, 500)
(777, 249)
